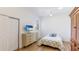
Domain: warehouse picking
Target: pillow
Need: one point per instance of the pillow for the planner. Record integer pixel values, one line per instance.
(53, 35)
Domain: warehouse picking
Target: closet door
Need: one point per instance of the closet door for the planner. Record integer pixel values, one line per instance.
(8, 34)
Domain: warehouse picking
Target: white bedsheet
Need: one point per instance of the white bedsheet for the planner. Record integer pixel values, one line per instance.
(52, 41)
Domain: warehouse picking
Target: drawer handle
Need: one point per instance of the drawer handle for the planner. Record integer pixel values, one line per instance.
(75, 27)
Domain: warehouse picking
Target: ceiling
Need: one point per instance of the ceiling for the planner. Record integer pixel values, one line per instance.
(47, 11)
(40, 11)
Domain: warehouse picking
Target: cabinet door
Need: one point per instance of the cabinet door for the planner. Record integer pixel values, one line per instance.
(74, 32)
(78, 29)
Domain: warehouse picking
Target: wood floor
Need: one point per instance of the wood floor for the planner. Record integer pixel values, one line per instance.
(35, 47)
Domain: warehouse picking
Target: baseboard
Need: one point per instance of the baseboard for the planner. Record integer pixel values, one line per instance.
(17, 49)
(67, 41)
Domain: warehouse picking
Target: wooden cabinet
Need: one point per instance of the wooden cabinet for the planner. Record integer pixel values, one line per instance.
(75, 29)
(29, 38)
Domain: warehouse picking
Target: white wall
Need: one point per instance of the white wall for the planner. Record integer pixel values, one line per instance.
(60, 24)
(25, 15)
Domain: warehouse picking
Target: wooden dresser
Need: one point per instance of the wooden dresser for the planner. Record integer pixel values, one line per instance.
(29, 38)
(75, 29)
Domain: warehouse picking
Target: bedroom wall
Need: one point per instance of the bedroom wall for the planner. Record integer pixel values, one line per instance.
(60, 24)
(25, 15)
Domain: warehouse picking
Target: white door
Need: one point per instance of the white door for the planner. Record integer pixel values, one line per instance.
(8, 34)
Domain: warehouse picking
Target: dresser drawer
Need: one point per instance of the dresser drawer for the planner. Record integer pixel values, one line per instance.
(28, 38)
(29, 35)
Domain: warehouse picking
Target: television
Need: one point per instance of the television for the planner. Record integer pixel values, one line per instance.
(28, 27)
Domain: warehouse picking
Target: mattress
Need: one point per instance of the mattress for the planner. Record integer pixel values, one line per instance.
(55, 42)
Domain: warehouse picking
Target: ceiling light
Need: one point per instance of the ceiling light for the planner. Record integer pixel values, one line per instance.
(60, 8)
(50, 14)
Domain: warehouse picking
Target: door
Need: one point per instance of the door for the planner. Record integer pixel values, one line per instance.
(8, 34)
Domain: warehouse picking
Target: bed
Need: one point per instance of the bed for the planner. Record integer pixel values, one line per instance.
(55, 42)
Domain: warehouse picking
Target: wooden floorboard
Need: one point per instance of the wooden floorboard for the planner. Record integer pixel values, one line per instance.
(35, 47)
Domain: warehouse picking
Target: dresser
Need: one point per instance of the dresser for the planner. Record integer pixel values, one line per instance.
(75, 29)
(29, 38)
